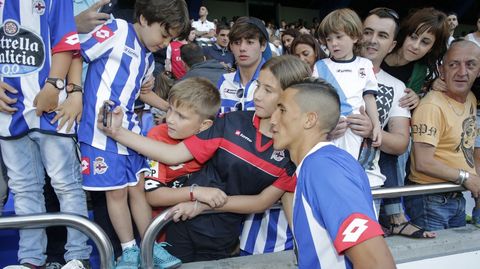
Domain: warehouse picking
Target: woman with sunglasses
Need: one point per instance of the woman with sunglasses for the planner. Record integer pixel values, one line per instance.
(238, 158)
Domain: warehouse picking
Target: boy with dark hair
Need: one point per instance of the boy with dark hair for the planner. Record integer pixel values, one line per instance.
(197, 66)
(248, 39)
(219, 50)
(342, 236)
(120, 59)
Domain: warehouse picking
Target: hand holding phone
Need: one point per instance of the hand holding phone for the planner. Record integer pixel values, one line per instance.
(108, 8)
(107, 114)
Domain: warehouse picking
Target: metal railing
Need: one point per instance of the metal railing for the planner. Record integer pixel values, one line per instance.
(163, 219)
(84, 225)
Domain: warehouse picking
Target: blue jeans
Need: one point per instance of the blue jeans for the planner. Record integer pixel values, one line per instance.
(25, 159)
(437, 211)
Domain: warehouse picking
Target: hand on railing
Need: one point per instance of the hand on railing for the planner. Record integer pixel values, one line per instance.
(473, 185)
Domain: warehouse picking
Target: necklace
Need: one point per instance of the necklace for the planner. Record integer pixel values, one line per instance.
(453, 108)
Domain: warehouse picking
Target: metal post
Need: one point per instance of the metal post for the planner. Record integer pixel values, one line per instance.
(84, 225)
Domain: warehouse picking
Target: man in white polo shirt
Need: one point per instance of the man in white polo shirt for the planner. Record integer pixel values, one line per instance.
(204, 29)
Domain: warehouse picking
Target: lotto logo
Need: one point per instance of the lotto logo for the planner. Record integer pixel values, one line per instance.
(354, 230)
(103, 34)
(72, 40)
(85, 165)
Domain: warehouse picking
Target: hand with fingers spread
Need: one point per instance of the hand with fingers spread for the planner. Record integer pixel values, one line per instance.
(70, 111)
(5, 100)
(90, 18)
(110, 122)
(360, 123)
(212, 196)
(187, 210)
(410, 100)
(339, 130)
(47, 99)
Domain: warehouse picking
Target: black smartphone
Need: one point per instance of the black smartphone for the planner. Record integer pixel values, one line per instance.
(107, 114)
(108, 8)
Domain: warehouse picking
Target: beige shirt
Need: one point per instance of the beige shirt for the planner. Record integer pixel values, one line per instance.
(450, 127)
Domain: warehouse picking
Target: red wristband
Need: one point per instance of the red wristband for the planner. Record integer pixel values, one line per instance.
(192, 187)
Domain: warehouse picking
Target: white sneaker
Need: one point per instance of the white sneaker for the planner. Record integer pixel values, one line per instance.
(75, 264)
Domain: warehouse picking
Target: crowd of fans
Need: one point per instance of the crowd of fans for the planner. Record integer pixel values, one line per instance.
(232, 116)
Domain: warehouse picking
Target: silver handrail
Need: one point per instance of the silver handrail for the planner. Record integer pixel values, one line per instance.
(89, 228)
(163, 219)
(415, 190)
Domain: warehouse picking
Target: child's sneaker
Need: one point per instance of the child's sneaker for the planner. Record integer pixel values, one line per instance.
(77, 264)
(162, 259)
(476, 217)
(53, 265)
(130, 258)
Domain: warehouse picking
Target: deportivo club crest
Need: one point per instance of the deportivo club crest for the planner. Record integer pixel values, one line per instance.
(39, 7)
(100, 167)
(278, 155)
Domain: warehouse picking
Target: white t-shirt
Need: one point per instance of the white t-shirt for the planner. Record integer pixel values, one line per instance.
(203, 27)
(471, 37)
(390, 90)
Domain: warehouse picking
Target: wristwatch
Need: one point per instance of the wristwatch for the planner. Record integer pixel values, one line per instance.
(72, 87)
(56, 82)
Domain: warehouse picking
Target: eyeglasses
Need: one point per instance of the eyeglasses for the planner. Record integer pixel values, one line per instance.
(383, 10)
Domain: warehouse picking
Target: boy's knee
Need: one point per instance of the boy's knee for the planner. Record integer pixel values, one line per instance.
(120, 194)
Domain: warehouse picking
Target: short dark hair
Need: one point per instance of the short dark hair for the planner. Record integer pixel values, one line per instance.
(315, 94)
(386, 13)
(222, 26)
(242, 28)
(191, 54)
(172, 14)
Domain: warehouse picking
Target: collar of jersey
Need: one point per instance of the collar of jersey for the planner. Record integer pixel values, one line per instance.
(258, 136)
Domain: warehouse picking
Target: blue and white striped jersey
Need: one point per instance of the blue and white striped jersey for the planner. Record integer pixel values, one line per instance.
(118, 64)
(235, 96)
(30, 32)
(266, 232)
(332, 208)
(352, 79)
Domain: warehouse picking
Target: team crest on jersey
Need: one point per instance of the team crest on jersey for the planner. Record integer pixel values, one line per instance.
(21, 50)
(100, 166)
(278, 155)
(85, 165)
(362, 73)
(39, 7)
(103, 34)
